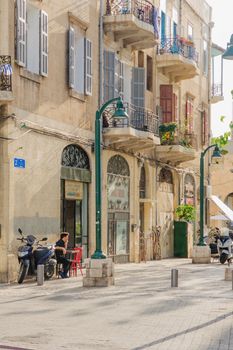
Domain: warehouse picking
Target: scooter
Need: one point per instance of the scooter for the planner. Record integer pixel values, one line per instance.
(32, 254)
(225, 249)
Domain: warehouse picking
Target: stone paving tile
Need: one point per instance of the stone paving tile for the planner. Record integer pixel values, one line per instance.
(141, 312)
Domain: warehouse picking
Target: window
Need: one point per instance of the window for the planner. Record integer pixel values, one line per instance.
(80, 61)
(31, 38)
(190, 32)
(114, 72)
(140, 59)
(149, 74)
(205, 57)
(189, 115)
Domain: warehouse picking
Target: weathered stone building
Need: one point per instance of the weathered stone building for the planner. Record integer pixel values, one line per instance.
(69, 57)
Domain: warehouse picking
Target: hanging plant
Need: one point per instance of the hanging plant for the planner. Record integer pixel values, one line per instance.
(185, 212)
(167, 132)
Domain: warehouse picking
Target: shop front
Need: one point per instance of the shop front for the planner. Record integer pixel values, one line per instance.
(75, 179)
(118, 184)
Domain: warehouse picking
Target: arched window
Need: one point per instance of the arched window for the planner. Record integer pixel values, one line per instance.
(165, 175)
(142, 183)
(118, 165)
(229, 200)
(75, 157)
(189, 189)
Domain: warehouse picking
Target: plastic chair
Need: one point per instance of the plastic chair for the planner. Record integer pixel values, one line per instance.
(76, 263)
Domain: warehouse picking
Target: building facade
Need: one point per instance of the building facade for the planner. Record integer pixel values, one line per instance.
(60, 61)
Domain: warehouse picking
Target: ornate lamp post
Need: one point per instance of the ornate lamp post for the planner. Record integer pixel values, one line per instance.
(215, 157)
(119, 114)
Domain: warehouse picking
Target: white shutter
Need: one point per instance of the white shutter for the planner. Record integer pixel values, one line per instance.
(21, 32)
(88, 68)
(109, 75)
(71, 57)
(44, 43)
(138, 87)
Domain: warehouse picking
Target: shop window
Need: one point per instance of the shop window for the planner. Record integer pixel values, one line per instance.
(189, 189)
(149, 73)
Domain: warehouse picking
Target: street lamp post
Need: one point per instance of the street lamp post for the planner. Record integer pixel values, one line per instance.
(119, 113)
(216, 155)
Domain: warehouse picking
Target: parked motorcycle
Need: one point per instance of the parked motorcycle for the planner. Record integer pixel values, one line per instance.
(225, 248)
(32, 254)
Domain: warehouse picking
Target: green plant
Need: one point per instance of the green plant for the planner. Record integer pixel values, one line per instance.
(185, 212)
(167, 127)
(223, 139)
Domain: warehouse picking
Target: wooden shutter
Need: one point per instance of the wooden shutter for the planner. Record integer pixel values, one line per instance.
(166, 103)
(189, 115)
(138, 87)
(44, 43)
(204, 127)
(88, 68)
(21, 32)
(71, 57)
(109, 75)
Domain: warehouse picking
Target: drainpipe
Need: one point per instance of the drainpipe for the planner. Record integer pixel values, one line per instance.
(100, 99)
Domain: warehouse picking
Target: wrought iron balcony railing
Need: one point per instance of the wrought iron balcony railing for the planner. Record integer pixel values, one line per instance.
(139, 118)
(144, 10)
(217, 90)
(178, 46)
(5, 73)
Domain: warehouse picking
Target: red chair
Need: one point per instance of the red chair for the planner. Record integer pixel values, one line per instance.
(76, 263)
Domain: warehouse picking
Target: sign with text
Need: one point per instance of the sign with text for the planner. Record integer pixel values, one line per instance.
(73, 190)
(19, 163)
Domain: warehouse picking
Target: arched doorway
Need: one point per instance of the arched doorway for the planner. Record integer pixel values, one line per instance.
(189, 190)
(75, 177)
(165, 197)
(118, 182)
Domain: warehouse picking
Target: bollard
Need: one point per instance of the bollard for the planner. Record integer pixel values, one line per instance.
(40, 275)
(174, 278)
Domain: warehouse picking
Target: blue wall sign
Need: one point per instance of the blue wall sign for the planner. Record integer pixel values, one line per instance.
(19, 163)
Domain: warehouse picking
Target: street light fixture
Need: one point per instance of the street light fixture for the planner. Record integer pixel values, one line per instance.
(228, 54)
(118, 114)
(215, 157)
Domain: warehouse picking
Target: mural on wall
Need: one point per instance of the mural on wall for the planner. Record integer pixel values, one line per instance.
(189, 189)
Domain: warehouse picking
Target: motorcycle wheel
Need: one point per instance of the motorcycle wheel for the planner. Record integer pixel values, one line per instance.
(23, 270)
(49, 272)
(223, 258)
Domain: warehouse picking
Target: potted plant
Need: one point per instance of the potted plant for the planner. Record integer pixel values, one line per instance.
(183, 230)
(185, 212)
(167, 133)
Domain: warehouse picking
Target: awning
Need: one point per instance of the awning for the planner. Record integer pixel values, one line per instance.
(219, 217)
(223, 207)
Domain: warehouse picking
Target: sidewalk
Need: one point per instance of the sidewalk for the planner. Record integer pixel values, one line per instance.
(140, 312)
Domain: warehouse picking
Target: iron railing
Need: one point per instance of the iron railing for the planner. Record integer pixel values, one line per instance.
(5, 73)
(144, 10)
(138, 118)
(217, 90)
(178, 46)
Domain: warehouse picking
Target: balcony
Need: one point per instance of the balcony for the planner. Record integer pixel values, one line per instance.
(177, 148)
(137, 133)
(178, 59)
(217, 93)
(134, 22)
(5, 79)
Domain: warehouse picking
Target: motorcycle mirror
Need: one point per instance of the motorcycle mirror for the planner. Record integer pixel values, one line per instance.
(44, 239)
(20, 231)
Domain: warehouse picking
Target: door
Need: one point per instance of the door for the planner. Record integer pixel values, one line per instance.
(118, 237)
(69, 221)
